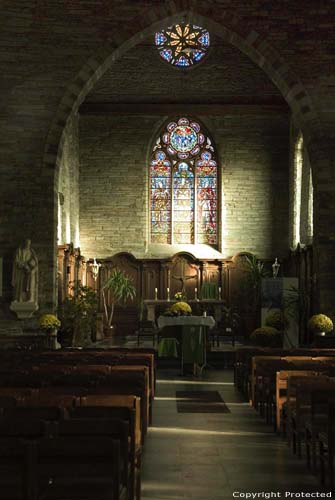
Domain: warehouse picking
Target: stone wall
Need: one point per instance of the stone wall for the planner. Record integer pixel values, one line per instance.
(68, 187)
(52, 53)
(253, 160)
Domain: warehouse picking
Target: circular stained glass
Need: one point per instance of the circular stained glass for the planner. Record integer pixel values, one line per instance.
(183, 138)
(183, 45)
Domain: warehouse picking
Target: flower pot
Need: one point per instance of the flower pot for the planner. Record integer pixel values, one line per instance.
(109, 331)
(51, 341)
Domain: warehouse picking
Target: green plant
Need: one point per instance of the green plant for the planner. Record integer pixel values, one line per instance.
(179, 309)
(121, 289)
(295, 304)
(266, 336)
(79, 315)
(49, 322)
(180, 296)
(276, 319)
(255, 271)
(231, 317)
(320, 323)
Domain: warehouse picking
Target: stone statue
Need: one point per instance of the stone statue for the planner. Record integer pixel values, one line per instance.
(25, 274)
(275, 268)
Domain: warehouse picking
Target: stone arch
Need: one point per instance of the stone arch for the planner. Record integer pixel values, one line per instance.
(227, 26)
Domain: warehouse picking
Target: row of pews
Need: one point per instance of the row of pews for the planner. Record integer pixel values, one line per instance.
(294, 391)
(73, 423)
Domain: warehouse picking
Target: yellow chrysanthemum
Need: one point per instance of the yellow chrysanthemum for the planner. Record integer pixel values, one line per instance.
(49, 321)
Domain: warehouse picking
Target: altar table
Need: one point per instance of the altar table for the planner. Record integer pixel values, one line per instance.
(193, 338)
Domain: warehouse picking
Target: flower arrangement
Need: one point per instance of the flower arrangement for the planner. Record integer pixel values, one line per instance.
(320, 323)
(266, 336)
(49, 322)
(179, 309)
(180, 296)
(276, 319)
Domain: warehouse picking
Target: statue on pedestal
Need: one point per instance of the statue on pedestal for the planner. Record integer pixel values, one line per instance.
(25, 281)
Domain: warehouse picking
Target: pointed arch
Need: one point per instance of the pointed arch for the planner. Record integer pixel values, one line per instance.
(183, 192)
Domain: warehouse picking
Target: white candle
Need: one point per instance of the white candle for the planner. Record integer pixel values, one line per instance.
(156, 290)
(195, 290)
(168, 290)
(219, 292)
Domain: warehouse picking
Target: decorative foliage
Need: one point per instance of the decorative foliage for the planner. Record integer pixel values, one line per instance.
(182, 45)
(320, 323)
(255, 271)
(121, 289)
(183, 176)
(266, 336)
(276, 319)
(79, 315)
(179, 309)
(180, 296)
(231, 317)
(49, 322)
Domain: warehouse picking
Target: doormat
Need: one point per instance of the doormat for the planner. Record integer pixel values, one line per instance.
(200, 402)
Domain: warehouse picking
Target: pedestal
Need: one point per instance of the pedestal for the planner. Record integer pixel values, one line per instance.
(275, 293)
(23, 310)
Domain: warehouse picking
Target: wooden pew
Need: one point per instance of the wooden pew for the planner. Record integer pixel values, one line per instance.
(104, 427)
(282, 378)
(83, 467)
(17, 470)
(114, 406)
(265, 369)
(327, 446)
(299, 411)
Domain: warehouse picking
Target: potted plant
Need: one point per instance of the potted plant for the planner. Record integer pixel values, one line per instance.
(79, 313)
(49, 323)
(266, 336)
(179, 309)
(277, 319)
(320, 325)
(120, 289)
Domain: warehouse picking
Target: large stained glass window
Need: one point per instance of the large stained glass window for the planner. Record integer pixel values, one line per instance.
(182, 45)
(183, 185)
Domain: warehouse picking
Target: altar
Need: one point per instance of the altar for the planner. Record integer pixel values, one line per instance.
(193, 337)
(154, 306)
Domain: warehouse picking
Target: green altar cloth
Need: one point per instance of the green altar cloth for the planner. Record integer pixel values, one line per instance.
(191, 332)
(193, 345)
(167, 348)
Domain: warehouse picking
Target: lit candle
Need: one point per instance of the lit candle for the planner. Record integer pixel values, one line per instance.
(156, 293)
(168, 293)
(196, 294)
(219, 292)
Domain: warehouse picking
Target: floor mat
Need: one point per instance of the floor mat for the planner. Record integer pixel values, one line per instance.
(200, 402)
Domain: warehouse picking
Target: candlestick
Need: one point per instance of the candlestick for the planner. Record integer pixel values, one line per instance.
(156, 293)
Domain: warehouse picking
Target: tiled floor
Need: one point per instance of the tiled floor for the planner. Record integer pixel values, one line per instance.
(210, 456)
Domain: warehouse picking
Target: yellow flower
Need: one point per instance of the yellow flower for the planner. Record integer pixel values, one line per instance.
(320, 323)
(180, 296)
(181, 308)
(49, 322)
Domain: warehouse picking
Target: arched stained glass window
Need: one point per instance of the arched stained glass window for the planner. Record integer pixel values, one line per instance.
(182, 45)
(183, 186)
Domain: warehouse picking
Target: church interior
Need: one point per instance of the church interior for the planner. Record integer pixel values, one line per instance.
(167, 249)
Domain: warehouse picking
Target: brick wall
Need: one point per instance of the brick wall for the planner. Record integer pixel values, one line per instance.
(50, 49)
(253, 157)
(68, 187)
